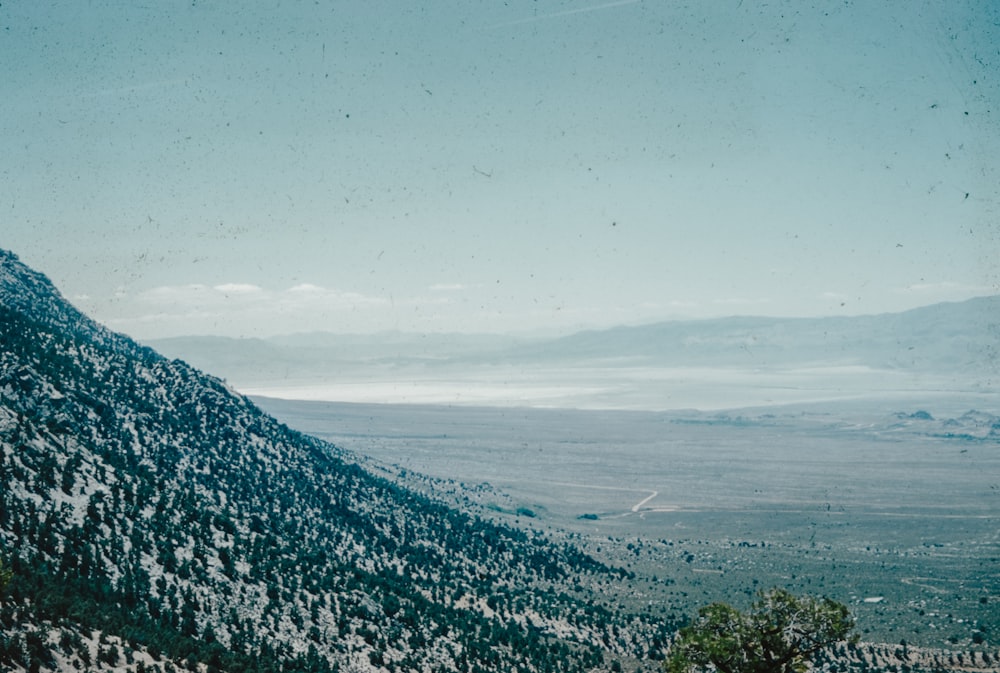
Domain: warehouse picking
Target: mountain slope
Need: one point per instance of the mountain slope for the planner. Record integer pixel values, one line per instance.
(29, 293)
(144, 499)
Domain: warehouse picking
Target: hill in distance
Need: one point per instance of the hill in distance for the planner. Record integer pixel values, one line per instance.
(948, 336)
(154, 520)
(719, 363)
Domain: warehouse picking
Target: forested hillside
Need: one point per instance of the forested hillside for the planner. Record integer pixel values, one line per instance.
(153, 518)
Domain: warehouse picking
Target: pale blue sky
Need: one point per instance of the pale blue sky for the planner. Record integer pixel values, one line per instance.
(215, 167)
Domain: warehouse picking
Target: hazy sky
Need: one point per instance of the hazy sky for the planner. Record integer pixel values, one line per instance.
(256, 168)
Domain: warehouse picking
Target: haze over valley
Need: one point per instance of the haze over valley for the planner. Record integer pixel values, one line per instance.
(944, 351)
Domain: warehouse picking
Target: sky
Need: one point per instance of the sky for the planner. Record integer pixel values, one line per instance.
(251, 169)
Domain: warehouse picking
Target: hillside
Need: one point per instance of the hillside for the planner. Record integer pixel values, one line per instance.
(154, 518)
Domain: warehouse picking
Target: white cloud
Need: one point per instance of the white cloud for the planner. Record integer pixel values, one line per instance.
(237, 288)
(947, 287)
(242, 308)
(169, 292)
(447, 287)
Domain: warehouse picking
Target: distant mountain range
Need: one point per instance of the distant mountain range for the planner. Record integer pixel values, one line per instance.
(323, 353)
(154, 519)
(963, 335)
(945, 336)
(959, 342)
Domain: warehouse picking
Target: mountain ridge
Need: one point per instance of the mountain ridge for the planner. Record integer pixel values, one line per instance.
(973, 323)
(742, 333)
(954, 346)
(150, 502)
(32, 294)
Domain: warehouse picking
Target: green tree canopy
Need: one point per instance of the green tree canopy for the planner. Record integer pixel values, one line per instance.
(779, 634)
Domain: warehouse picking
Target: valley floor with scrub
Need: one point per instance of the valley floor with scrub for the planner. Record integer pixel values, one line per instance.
(891, 508)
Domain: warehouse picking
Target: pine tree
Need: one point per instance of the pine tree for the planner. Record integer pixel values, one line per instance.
(780, 634)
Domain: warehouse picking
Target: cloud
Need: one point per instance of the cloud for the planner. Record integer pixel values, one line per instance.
(447, 287)
(237, 288)
(243, 307)
(305, 287)
(228, 293)
(171, 291)
(947, 287)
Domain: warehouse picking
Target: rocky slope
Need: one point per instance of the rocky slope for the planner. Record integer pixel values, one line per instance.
(153, 518)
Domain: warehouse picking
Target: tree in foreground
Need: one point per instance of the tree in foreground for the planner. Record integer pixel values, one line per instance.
(780, 633)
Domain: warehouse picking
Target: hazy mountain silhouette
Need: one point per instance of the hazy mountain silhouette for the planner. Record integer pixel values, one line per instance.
(945, 346)
(945, 336)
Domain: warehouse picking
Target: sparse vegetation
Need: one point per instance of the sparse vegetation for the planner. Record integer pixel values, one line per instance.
(148, 503)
